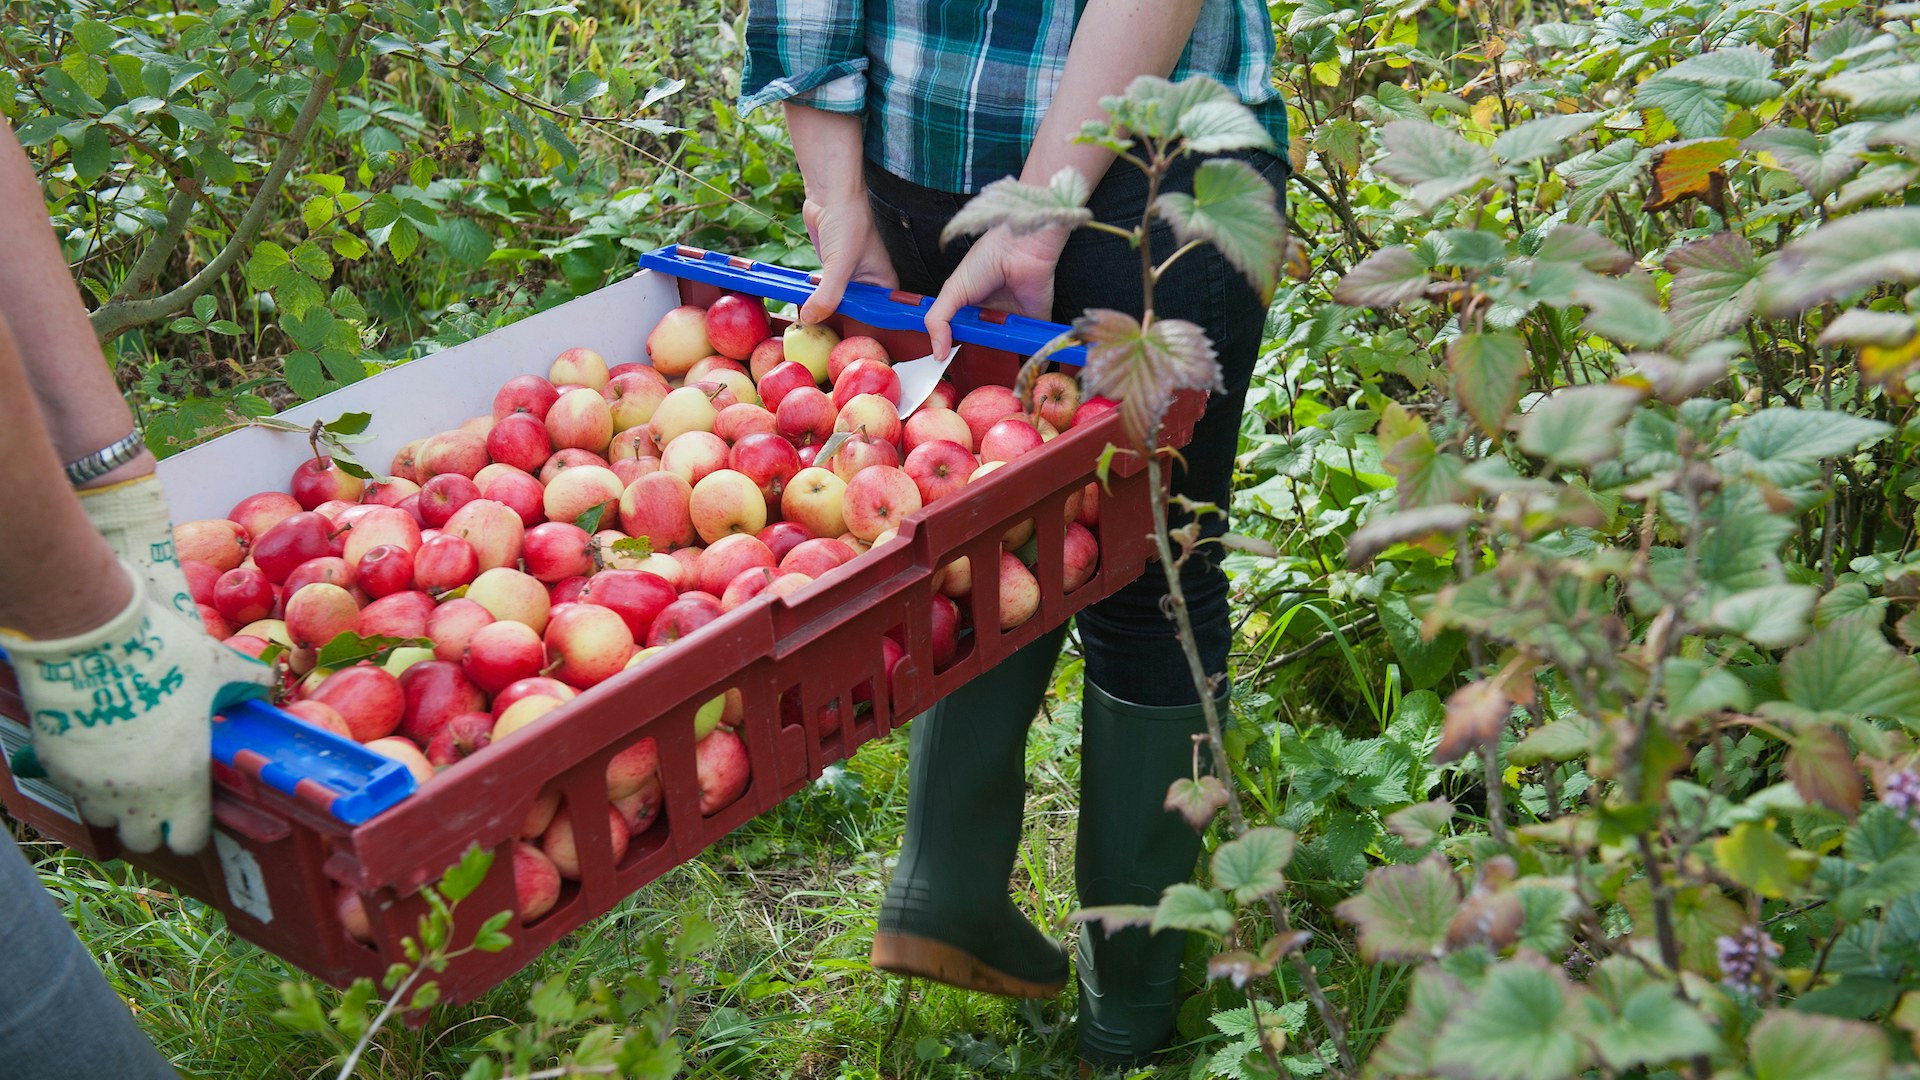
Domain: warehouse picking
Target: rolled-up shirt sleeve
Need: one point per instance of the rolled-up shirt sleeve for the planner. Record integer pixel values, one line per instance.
(809, 51)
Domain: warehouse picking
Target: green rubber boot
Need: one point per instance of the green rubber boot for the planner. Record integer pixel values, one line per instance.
(947, 915)
(1130, 850)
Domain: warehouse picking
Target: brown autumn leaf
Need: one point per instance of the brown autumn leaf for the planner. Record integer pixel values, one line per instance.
(1196, 800)
(1693, 169)
(1142, 368)
(1822, 770)
(1487, 918)
(1475, 715)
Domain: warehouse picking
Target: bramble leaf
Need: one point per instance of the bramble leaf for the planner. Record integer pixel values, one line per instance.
(1422, 823)
(1840, 260)
(1024, 208)
(1250, 866)
(1579, 425)
(1489, 372)
(1143, 369)
(1392, 275)
(1233, 209)
(1476, 714)
(1789, 1045)
(1196, 800)
(1402, 912)
(1434, 162)
(1715, 284)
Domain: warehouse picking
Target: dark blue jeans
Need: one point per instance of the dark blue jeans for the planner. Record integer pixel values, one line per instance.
(1132, 651)
(59, 1020)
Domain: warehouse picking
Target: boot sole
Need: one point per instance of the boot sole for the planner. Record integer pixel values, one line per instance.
(906, 954)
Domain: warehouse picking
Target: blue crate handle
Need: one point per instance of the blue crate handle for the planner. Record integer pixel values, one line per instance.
(870, 304)
(362, 782)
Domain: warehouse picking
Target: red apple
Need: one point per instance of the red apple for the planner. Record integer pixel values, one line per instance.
(536, 882)
(512, 595)
(320, 715)
(736, 324)
(878, 499)
(783, 536)
(853, 350)
(694, 454)
(582, 419)
(242, 595)
(368, 698)
(494, 529)
(201, 578)
(946, 630)
(737, 421)
(319, 613)
(1019, 592)
(767, 355)
(380, 525)
(945, 395)
(1092, 409)
(870, 414)
(223, 544)
(1008, 439)
(502, 653)
(519, 492)
(580, 367)
(728, 558)
(656, 507)
(462, 452)
(532, 686)
(392, 492)
(815, 557)
(782, 380)
(443, 563)
(861, 452)
(384, 570)
(768, 460)
(590, 642)
(805, 416)
(406, 461)
(262, 511)
(316, 480)
(519, 440)
(722, 770)
(403, 614)
(634, 442)
(578, 490)
(557, 550)
(568, 590)
(296, 539)
(984, 407)
(683, 617)
(436, 691)
(633, 769)
(866, 377)
(571, 457)
(528, 394)
(1081, 556)
(637, 596)
(939, 469)
(1056, 395)
(634, 396)
(748, 585)
(562, 848)
(453, 624)
(930, 425)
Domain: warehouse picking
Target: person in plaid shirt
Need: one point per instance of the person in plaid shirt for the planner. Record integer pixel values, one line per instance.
(899, 112)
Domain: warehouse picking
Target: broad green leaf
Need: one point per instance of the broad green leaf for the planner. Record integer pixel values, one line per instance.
(268, 266)
(1698, 110)
(342, 366)
(304, 375)
(1408, 1048)
(1153, 107)
(1489, 372)
(1579, 425)
(1785, 446)
(582, 87)
(350, 648)
(465, 876)
(467, 242)
(1562, 740)
(1190, 907)
(1850, 600)
(1218, 127)
(94, 36)
(1648, 1024)
(58, 87)
(1548, 136)
(1024, 208)
(1143, 369)
(1715, 283)
(1340, 142)
(1434, 162)
(1753, 855)
(1423, 662)
(1584, 247)
(1526, 1023)
(1402, 912)
(1702, 914)
(1772, 617)
(1422, 823)
(1389, 276)
(1600, 173)
(1837, 261)
(1787, 1045)
(1851, 669)
(92, 153)
(1251, 866)
(1744, 74)
(1820, 170)
(1544, 911)
(1862, 326)
(1233, 209)
(1881, 89)
(311, 261)
(1696, 687)
(1623, 308)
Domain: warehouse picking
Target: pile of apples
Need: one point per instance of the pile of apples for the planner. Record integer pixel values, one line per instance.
(596, 517)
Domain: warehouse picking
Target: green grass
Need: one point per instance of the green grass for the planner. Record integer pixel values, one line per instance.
(785, 991)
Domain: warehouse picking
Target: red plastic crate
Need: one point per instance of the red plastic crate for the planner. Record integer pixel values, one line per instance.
(277, 862)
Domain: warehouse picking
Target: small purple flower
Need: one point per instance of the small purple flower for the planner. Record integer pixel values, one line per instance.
(1744, 958)
(1901, 793)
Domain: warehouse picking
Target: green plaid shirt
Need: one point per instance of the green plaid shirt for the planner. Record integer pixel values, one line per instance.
(952, 91)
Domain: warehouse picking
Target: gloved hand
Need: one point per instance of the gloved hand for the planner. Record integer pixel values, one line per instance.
(132, 516)
(121, 717)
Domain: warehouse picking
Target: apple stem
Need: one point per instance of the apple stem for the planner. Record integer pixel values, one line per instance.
(314, 434)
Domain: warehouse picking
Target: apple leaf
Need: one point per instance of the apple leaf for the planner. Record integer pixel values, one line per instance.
(636, 547)
(1233, 209)
(1024, 208)
(1715, 284)
(1392, 275)
(589, 518)
(350, 648)
(353, 423)
(1402, 912)
(1196, 800)
(1142, 368)
(1434, 162)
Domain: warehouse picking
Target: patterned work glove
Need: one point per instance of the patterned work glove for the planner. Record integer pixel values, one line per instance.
(132, 516)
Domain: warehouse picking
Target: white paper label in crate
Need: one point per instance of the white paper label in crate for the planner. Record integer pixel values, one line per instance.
(13, 736)
(246, 885)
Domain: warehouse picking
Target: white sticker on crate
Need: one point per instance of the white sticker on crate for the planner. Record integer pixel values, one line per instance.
(246, 885)
(13, 736)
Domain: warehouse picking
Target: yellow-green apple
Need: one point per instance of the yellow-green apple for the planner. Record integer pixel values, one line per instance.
(274, 630)
(788, 584)
(1009, 438)
(317, 480)
(528, 394)
(502, 653)
(1019, 592)
(610, 554)
(768, 460)
(581, 419)
(454, 451)
(479, 425)
(940, 468)
(767, 355)
(406, 461)
(694, 454)
(333, 508)
(320, 715)
(522, 714)
(706, 719)
(678, 340)
(453, 624)
(667, 569)
(861, 452)
(436, 691)
(853, 350)
(578, 490)
(736, 323)
(783, 536)
(722, 769)
(634, 442)
(1080, 557)
(726, 502)
(634, 396)
(944, 395)
(812, 499)
(367, 698)
(319, 613)
(1048, 432)
(494, 529)
(809, 346)
(986, 406)
(955, 579)
(872, 414)
(637, 596)
(866, 377)
(737, 421)
(532, 686)
(590, 642)
(581, 367)
(242, 595)
(688, 408)
(737, 383)
(782, 380)
(536, 883)
(223, 544)
(1056, 395)
(563, 849)
(877, 499)
(510, 594)
(444, 563)
(262, 511)
(854, 543)
(404, 614)
(728, 558)
(683, 617)
(519, 492)
(804, 416)
(391, 492)
(556, 550)
(518, 440)
(1092, 409)
(384, 570)
(706, 365)
(655, 508)
(815, 557)
(928, 425)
